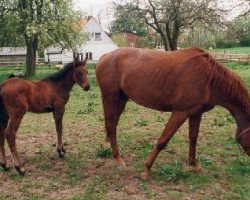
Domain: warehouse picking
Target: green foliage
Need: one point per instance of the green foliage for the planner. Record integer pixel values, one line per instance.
(39, 24)
(104, 152)
(141, 122)
(173, 172)
(127, 20)
(237, 33)
(119, 40)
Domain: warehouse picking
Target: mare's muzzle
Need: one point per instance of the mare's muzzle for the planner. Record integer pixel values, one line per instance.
(244, 140)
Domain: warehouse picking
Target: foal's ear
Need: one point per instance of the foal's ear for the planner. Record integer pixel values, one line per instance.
(76, 60)
(84, 62)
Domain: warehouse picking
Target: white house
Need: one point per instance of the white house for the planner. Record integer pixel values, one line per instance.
(97, 44)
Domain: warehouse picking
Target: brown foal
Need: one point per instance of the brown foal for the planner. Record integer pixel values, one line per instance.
(17, 96)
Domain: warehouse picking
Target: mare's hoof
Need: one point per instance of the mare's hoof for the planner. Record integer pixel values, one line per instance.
(145, 176)
(5, 167)
(20, 170)
(120, 163)
(197, 169)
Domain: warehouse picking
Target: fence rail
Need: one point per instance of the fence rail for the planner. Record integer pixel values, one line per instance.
(223, 57)
(231, 57)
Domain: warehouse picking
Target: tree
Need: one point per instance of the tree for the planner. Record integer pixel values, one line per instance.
(41, 23)
(169, 18)
(125, 20)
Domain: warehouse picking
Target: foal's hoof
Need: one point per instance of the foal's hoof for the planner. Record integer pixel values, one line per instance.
(145, 176)
(5, 167)
(61, 152)
(197, 169)
(20, 170)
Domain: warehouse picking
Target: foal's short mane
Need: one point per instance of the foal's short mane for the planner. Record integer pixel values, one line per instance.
(64, 71)
(61, 73)
(228, 83)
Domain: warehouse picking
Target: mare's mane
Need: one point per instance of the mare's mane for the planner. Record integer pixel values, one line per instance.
(227, 82)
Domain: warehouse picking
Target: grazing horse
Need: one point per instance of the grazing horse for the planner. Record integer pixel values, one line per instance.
(185, 82)
(17, 96)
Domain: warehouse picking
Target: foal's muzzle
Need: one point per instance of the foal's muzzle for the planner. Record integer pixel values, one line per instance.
(85, 87)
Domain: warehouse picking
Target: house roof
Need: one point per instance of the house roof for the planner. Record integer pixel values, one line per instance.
(7, 51)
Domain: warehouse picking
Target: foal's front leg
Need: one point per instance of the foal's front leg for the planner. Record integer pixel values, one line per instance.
(58, 116)
(10, 135)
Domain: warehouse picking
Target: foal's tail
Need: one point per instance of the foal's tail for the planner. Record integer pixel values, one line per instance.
(4, 117)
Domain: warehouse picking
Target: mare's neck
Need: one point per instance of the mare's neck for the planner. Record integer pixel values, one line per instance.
(241, 117)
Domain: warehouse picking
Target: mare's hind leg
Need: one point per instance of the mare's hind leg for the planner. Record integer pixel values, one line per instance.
(194, 125)
(10, 135)
(3, 161)
(173, 124)
(58, 116)
(113, 105)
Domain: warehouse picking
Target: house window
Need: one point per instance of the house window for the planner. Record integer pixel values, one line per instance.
(98, 36)
(88, 55)
(132, 44)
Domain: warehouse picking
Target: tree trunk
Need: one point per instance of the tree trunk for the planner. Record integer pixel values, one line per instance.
(173, 43)
(31, 44)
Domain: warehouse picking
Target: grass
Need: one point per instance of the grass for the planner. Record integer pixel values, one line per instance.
(233, 50)
(89, 171)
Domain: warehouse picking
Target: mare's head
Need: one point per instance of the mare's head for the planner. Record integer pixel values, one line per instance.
(243, 138)
(80, 73)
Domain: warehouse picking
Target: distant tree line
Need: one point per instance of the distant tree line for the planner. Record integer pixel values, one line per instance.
(181, 23)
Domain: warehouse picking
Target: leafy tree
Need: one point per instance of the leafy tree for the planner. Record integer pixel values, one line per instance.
(40, 23)
(119, 40)
(125, 20)
(169, 18)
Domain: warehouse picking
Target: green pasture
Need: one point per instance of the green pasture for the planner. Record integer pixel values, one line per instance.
(89, 171)
(233, 50)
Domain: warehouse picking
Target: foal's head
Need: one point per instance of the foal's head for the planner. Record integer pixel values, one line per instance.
(80, 74)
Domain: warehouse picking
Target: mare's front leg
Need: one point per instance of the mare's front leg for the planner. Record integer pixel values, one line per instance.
(10, 135)
(175, 121)
(194, 125)
(113, 105)
(58, 116)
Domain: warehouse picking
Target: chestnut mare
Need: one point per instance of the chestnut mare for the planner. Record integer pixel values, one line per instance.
(17, 96)
(185, 82)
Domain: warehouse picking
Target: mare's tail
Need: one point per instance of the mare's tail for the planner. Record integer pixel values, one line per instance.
(4, 117)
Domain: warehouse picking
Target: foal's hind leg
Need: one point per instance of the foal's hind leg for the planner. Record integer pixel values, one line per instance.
(194, 125)
(58, 116)
(113, 105)
(175, 121)
(10, 135)
(3, 161)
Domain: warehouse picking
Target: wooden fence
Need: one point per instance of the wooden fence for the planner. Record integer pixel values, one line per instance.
(225, 57)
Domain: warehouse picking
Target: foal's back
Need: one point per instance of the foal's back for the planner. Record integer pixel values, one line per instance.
(27, 95)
